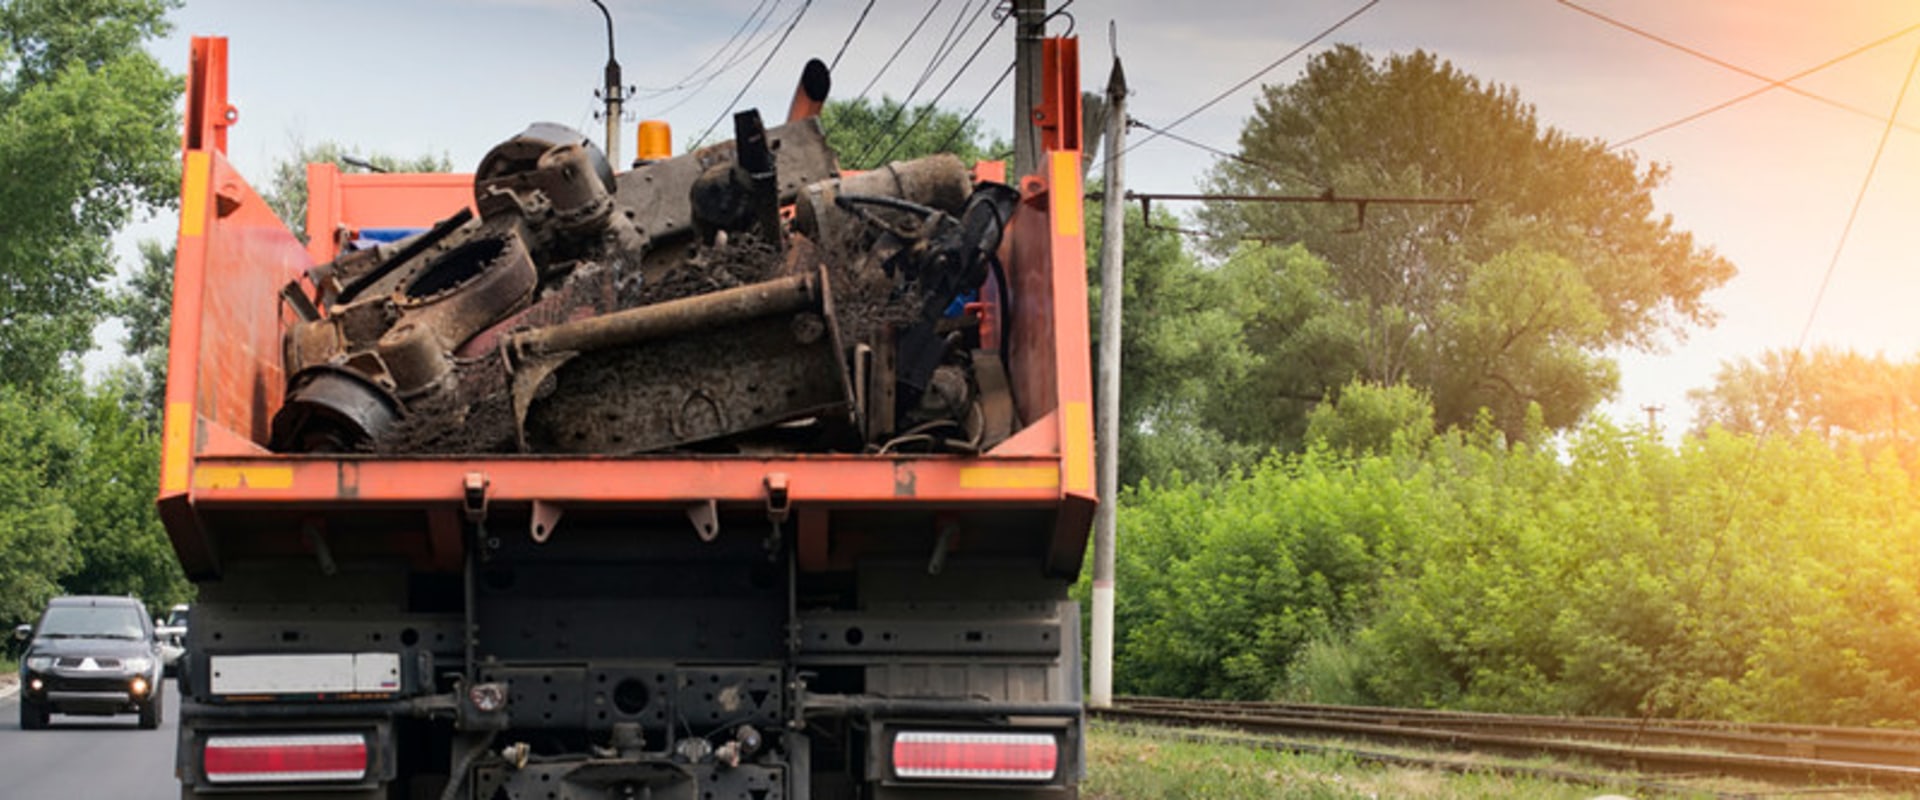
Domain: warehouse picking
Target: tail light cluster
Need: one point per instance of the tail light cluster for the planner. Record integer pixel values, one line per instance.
(285, 759)
(975, 756)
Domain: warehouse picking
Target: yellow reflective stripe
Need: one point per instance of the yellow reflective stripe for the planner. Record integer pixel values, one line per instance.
(1066, 193)
(1078, 452)
(193, 194)
(1009, 477)
(176, 446)
(243, 478)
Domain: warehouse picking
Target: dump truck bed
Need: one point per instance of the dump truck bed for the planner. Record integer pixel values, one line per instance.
(225, 496)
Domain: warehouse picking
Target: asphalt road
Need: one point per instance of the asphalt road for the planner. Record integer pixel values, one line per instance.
(79, 758)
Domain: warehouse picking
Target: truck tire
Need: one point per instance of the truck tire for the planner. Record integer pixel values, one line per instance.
(33, 716)
(152, 712)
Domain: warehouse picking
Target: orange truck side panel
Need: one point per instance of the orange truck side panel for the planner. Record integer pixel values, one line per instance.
(225, 378)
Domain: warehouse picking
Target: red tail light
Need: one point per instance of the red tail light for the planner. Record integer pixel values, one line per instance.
(285, 759)
(975, 756)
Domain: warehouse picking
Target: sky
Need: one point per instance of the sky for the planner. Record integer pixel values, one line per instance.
(1770, 183)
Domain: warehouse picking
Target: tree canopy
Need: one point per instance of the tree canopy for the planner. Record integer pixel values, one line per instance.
(87, 139)
(1841, 396)
(1502, 306)
(870, 134)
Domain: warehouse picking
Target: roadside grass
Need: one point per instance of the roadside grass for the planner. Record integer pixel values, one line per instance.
(1132, 762)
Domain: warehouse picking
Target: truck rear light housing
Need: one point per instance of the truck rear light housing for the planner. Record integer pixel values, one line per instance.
(285, 759)
(975, 756)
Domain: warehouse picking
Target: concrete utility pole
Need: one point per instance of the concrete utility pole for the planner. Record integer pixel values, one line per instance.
(611, 94)
(1112, 246)
(1029, 27)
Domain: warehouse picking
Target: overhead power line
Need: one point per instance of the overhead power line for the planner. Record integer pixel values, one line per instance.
(955, 33)
(935, 102)
(958, 129)
(900, 49)
(1328, 197)
(1771, 83)
(795, 22)
(1859, 198)
(1257, 75)
(693, 75)
(1281, 171)
(747, 49)
(850, 34)
(933, 63)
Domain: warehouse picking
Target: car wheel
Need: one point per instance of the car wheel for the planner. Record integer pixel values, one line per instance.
(33, 716)
(150, 712)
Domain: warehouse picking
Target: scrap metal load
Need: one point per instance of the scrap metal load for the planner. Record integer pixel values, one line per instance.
(673, 307)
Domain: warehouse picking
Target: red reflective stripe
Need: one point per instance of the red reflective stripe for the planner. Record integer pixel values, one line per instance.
(257, 759)
(957, 757)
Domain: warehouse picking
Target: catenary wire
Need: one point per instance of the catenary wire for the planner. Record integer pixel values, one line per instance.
(1772, 85)
(955, 33)
(1257, 75)
(795, 22)
(835, 64)
(1649, 35)
(955, 133)
(746, 50)
(933, 63)
(693, 75)
(898, 50)
(1279, 170)
(1859, 199)
(902, 138)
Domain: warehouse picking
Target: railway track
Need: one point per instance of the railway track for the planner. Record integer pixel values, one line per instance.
(1802, 755)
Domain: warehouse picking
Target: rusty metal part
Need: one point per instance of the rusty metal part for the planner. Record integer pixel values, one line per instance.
(331, 410)
(655, 196)
(705, 367)
(362, 271)
(810, 94)
(996, 421)
(763, 201)
(938, 181)
(548, 169)
(741, 196)
(672, 318)
(451, 298)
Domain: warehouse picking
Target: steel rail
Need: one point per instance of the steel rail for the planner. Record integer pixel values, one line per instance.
(1775, 768)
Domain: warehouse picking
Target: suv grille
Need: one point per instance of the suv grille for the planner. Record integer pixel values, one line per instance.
(71, 662)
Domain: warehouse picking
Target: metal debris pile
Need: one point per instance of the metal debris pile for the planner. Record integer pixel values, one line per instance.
(669, 308)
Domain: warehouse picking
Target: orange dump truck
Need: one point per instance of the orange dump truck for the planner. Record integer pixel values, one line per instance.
(563, 548)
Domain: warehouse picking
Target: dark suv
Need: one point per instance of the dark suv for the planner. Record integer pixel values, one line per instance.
(90, 655)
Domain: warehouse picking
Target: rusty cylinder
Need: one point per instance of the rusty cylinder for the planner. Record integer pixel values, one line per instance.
(671, 318)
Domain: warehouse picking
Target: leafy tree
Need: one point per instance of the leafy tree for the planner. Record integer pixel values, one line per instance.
(42, 450)
(1181, 343)
(1506, 305)
(117, 533)
(1839, 395)
(87, 140)
(1369, 419)
(145, 306)
(286, 188)
(868, 135)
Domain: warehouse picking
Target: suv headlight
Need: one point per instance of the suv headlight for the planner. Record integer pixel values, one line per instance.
(138, 664)
(39, 663)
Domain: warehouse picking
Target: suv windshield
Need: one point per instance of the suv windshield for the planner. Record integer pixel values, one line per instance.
(178, 619)
(92, 622)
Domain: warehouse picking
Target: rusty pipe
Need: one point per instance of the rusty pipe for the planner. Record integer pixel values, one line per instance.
(810, 95)
(671, 318)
